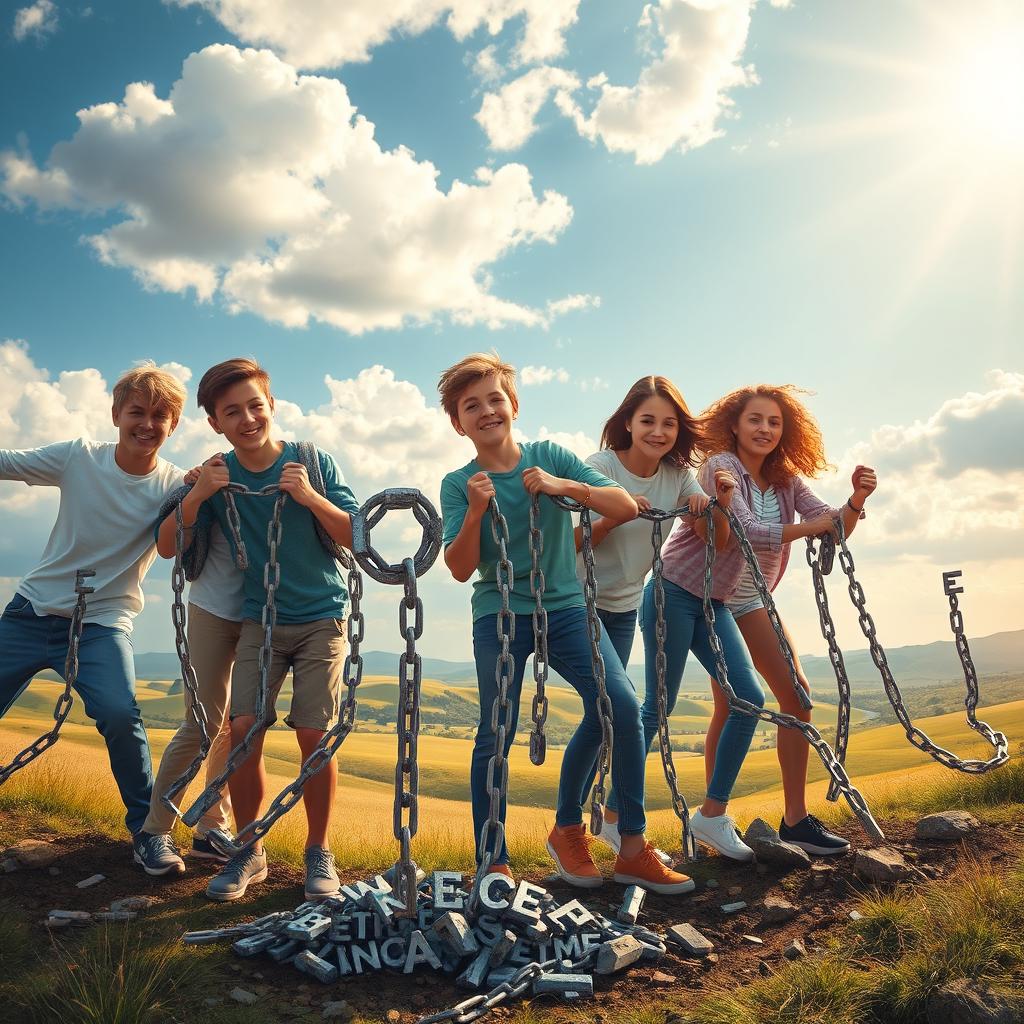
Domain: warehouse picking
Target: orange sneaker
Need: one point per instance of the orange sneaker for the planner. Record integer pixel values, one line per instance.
(501, 869)
(647, 871)
(570, 850)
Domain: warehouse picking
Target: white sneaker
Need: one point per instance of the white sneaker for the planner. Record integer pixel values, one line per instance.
(609, 835)
(720, 834)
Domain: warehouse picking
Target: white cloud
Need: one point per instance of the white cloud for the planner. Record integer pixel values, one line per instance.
(38, 19)
(263, 186)
(509, 116)
(682, 93)
(593, 384)
(530, 375)
(327, 34)
(573, 302)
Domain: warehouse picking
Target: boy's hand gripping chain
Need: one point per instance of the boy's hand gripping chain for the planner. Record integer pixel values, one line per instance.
(604, 705)
(687, 843)
(410, 666)
(835, 769)
(491, 842)
(194, 706)
(271, 581)
(65, 700)
(917, 737)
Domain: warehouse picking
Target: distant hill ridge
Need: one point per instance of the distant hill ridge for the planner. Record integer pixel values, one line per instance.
(914, 665)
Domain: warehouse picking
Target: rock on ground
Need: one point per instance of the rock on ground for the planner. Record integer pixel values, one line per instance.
(971, 1002)
(781, 854)
(777, 910)
(759, 829)
(884, 865)
(33, 853)
(947, 825)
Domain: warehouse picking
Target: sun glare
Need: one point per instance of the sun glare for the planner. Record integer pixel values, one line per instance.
(989, 93)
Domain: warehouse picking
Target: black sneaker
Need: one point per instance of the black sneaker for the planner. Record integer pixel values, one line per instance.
(157, 854)
(812, 836)
(203, 849)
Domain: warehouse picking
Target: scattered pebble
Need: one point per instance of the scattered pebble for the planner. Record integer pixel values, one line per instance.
(732, 908)
(753, 940)
(240, 995)
(794, 950)
(92, 880)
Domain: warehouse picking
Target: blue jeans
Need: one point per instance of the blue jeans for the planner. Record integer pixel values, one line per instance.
(569, 656)
(30, 643)
(621, 630)
(685, 631)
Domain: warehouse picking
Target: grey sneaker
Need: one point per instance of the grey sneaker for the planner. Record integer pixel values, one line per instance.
(233, 879)
(321, 878)
(157, 854)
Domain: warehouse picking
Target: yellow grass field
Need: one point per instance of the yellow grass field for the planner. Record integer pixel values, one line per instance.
(75, 774)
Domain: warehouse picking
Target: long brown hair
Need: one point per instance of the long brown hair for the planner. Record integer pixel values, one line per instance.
(690, 439)
(801, 449)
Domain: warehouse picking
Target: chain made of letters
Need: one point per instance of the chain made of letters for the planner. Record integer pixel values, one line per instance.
(475, 1007)
(916, 736)
(189, 680)
(271, 581)
(63, 706)
(832, 765)
(491, 841)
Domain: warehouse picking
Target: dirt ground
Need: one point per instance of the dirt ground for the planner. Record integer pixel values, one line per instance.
(825, 895)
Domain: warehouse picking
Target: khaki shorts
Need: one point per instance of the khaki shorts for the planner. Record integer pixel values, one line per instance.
(314, 651)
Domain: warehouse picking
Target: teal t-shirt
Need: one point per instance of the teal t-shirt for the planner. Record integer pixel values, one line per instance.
(312, 586)
(561, 587)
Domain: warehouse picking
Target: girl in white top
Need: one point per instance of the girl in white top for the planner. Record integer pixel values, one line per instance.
(647, 446)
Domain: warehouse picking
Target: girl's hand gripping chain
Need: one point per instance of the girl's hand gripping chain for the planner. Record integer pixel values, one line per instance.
(864, 483)
(725, 488)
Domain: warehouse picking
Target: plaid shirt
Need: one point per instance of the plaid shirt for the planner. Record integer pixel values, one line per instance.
(683, 553)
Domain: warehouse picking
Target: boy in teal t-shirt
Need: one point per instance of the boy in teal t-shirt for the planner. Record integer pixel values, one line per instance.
(479, 396)
(310, 601)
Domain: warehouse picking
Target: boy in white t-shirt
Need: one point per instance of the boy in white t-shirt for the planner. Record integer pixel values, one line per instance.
(110, 494)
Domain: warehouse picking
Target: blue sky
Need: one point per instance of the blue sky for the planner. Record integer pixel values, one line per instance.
(821, 193)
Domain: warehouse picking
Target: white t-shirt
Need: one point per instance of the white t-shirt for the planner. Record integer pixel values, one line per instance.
(105, 522)
(623, 559)
(219, 589)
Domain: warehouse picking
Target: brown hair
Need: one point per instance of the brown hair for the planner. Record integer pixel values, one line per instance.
(801, 449)
(219, 378)
(156, 386)
(465, 372)
(690, 440)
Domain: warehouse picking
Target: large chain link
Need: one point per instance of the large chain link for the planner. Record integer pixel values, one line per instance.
(916, 736)
(687, 842)
(833, 766)
(538, 741)
(491, 842)
(820, 554)
(604, 704)
(475, 1007)
(62, 708)
(188, 673)
(330, 743)
(271, 581)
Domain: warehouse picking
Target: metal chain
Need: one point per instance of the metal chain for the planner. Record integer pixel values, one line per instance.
(820, 554)
(271, 581)
(687, 842)
(915, 735)
(604, 704)
(475, 1007)
(538, 741)
(407, 770)
(835, 769)
(491, 842)
(62, 708)
(188, 673)
(332, 740)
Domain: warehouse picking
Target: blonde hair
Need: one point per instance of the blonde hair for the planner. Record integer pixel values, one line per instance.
(465, 372)
(156, 386)
(801, 449)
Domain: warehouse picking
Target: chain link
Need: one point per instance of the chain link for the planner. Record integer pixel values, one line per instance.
(62, 708)
(538, 741)
(491, 842)
(916, 736)
(604, 704)
(833, 766)
(271, 581)
(194, 705)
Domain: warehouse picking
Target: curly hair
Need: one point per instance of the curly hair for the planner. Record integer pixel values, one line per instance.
(690, 440)
(801, 449)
